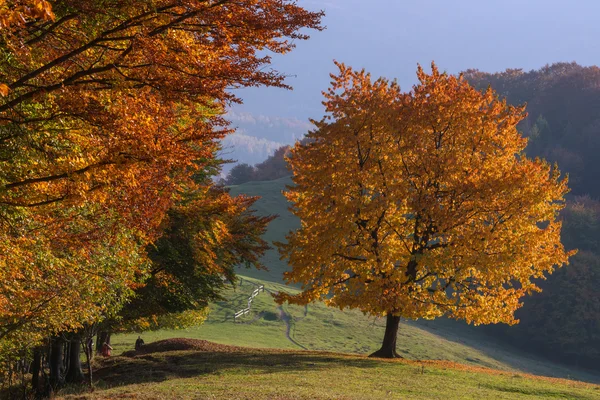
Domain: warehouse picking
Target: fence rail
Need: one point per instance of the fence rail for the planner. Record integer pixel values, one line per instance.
(255, 292)
(240, 313)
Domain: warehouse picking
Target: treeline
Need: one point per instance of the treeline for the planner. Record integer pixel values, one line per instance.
(110, 115)
(563, 126)
(272, 168)
(563, 123)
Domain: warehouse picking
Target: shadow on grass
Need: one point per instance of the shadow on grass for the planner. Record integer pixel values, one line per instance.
(158, 367)
(494, 348)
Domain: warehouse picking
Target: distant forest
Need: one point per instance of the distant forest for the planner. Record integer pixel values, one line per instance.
(563, 126)
(272, 168)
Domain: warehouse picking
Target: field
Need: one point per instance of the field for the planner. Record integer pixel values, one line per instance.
(435, 344)
(239, 373)
(318, 327)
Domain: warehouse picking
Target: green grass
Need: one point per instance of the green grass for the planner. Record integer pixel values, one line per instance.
(328, 329)
(276, 374)
(271, 202)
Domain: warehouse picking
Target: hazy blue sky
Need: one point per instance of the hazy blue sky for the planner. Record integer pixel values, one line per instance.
(390, 37)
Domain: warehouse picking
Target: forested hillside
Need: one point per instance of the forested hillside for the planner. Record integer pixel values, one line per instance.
(563, 126)
(563, 123)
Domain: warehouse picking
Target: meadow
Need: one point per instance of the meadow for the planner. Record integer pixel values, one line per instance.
(279, 374)
(293, 352)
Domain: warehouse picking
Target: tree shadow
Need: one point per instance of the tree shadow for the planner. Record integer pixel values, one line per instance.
(158, 367)
(495, 348)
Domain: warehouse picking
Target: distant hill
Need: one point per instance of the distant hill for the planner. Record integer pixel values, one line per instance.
(258, 136)
(247, 149)
(271, 202)
(563, 122)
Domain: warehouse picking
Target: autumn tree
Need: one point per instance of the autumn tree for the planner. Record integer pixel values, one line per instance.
(421, 204)
(109, 107)
(205, 238)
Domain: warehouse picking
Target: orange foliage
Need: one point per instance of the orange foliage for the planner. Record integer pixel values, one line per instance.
(108, 111)
(421, 204)
(16, 13)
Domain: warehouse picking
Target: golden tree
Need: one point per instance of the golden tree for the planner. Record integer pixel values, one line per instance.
(421, 204)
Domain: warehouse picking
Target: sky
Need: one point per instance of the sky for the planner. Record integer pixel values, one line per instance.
(390, 37)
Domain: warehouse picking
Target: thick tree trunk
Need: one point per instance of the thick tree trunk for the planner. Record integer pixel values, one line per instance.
(36, 366)
(56, 362)
(74, 373)
(388, 347)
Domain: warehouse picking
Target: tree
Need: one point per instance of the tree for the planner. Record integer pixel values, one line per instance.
(108, 108)
(274, 167)
(239, 174)
(205, 238)
(421, 204)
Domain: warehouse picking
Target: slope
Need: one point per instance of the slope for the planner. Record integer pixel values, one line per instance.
(202, 370)
(318, 327)
(271, 202)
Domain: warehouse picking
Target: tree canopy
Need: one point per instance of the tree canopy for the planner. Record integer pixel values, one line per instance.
(204, 238)
(421, 204)
(108, 109)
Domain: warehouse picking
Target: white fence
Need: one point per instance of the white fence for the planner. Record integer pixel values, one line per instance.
(246, 310)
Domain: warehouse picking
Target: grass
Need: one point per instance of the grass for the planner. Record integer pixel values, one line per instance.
(271, 202)
(278, 374)
(318, 327)
(301, 375)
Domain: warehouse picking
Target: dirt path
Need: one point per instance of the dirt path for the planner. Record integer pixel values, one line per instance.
(286, 318)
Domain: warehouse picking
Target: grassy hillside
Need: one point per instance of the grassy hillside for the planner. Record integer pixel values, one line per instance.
(318, 327)
(238, 373)
(271, 202)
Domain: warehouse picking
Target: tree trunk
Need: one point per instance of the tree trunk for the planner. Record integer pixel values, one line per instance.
(100, 341)
(36, 365)
(89, 353)
(56, 362)
(103, 337)
(74, 373)
(388, 347)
